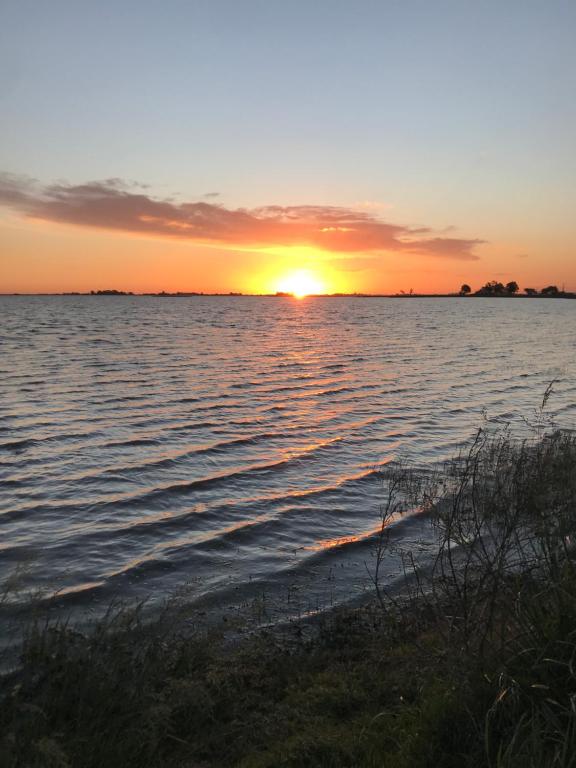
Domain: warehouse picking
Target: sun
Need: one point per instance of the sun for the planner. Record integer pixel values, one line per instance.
(301, 283)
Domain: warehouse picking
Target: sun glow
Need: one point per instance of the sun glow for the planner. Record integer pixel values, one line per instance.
(301, 283)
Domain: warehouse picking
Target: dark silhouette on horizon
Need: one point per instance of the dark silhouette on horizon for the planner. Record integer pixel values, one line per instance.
(495, 288)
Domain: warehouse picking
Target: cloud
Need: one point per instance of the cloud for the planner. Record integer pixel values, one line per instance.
(113, 204)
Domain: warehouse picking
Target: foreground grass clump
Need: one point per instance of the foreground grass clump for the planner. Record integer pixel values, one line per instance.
(474, 666)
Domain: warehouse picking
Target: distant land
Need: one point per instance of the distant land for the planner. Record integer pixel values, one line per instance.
(492, 289)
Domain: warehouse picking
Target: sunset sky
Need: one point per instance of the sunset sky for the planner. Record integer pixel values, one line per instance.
(246, 145)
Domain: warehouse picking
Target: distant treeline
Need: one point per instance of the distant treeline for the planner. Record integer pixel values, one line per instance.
(491, 288)
(494, 288)
(111, 292)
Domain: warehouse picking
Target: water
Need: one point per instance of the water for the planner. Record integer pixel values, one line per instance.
(232, 444)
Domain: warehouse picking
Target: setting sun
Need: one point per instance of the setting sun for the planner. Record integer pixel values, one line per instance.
(301, 283)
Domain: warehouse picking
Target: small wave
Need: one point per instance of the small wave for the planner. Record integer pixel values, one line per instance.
(216, 481)
(18, 446)
(132, 442)
(177, 457)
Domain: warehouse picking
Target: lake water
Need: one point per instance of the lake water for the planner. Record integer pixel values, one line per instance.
(232, 445)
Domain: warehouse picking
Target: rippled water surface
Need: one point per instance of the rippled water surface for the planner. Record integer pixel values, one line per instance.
(232, 444)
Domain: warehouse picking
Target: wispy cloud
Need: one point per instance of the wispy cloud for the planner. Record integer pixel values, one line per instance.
(113, 204)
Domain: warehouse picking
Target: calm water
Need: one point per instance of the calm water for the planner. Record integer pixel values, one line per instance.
(232, 445)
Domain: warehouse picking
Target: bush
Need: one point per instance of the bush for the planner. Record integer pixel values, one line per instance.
(500, 595)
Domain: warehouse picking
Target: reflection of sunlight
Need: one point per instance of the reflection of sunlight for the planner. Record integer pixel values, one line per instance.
(301, 283)
(353, 538)
(341, 541)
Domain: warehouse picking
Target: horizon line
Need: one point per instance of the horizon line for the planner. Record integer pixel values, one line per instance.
(285, 295)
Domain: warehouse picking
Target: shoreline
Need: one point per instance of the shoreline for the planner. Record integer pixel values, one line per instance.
(472, 665)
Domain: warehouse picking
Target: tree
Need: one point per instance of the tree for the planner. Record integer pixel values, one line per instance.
(492, 288)
(465, 290)
(530, 291)
(550, 290)
(512, 287)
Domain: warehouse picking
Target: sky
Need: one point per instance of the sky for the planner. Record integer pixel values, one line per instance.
(257, 145)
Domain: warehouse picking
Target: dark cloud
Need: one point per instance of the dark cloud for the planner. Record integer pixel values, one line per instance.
(115, 205)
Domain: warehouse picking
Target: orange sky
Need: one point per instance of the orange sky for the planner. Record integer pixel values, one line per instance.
(64, 237)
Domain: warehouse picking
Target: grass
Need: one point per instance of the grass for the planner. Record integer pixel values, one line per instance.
(474, 666)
